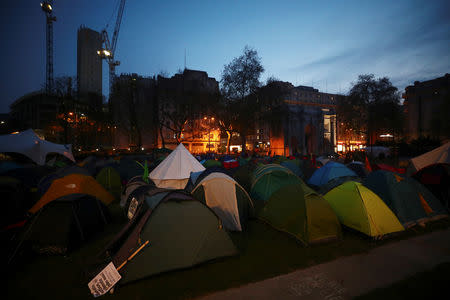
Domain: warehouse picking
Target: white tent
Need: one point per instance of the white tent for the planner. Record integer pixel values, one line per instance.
(30, 145)
(220, 195)
(174, 171)
(438, 155)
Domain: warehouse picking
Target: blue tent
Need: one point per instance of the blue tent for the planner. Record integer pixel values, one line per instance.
(328, 172)
(293, 167)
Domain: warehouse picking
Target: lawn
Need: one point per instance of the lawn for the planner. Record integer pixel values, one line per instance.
(264, 253)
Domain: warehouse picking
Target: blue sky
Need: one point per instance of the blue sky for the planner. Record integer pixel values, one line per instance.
(326, 44)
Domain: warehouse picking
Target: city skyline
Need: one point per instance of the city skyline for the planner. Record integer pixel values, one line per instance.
(325, 45)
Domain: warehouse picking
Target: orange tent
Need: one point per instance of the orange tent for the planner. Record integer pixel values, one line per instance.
(73, 184)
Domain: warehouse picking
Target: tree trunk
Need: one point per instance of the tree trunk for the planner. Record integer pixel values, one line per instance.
(163, 142)
(228, 141)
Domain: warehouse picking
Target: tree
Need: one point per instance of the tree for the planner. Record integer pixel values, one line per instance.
(271, 102)
(240, 81)
(371, 106)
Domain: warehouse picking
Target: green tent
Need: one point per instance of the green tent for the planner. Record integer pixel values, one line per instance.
(267, 179)
(301, 212)
(359, 208)
(212, 163)
(243, 175)
(285, 202)
(109, 178)
(226, 198)
(410, 201)
(181, 232)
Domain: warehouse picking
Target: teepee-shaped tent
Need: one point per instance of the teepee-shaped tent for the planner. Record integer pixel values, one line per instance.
(174, 171)
(359, 208)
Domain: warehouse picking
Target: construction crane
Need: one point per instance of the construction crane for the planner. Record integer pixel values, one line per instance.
(48, 10)
(109, 49)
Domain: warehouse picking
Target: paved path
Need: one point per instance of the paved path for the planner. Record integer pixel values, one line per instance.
(350, 276)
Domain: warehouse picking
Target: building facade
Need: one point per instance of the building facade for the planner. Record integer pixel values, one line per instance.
(89, 63)
(134, 111)
(308, 125)
(427, 108)
(184, 111)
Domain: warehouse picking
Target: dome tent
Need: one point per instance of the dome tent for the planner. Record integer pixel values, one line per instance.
(182, 232)
(410, 201)
(174, 171)
(285, 202)
(73, 184)
(359, 208)
(328, 172)
(299, 211)
(226, 198)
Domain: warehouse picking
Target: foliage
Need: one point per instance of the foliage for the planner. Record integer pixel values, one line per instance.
(372, 106)
(271, 103)
(240, 81)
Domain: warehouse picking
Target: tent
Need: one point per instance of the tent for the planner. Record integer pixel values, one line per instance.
(408, 199)
(438, 155)
(30, 145)
(7, 165)
(243, 175)
(128, 168)
(73, 184)
(109, 178)
(15, 201)
(181, 232)
(131, 186)
(47, 180)
(336, 182)
(359, 208)
(226, 198)
(267, 179)
(196, 177)
(436, 178)
(328, 172)
(359, 168)
(211, 163)
(386, 167)
(174, 171)
(66, 223)
(293, 167)
(299, 211)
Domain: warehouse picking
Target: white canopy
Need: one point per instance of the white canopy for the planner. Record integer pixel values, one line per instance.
(174, 171)
(30, 145)
(438, 155)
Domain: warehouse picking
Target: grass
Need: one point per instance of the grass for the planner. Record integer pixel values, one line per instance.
(264, 253)
(432, 284)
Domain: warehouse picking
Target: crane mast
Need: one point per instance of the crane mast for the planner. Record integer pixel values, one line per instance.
(110, 48)
(48, 10)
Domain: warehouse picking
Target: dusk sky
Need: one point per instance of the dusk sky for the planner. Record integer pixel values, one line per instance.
(326, 44)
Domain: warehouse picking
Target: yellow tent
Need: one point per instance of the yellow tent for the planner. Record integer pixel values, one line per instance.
(359, 208)
(73, 184)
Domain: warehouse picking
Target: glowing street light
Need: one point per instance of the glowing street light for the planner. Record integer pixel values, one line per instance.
(46, 7)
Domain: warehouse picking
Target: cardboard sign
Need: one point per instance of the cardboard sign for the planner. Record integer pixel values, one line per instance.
(132, 209)
(104, 281)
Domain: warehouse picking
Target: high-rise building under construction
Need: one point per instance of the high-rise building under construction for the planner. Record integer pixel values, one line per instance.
(89, 64)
